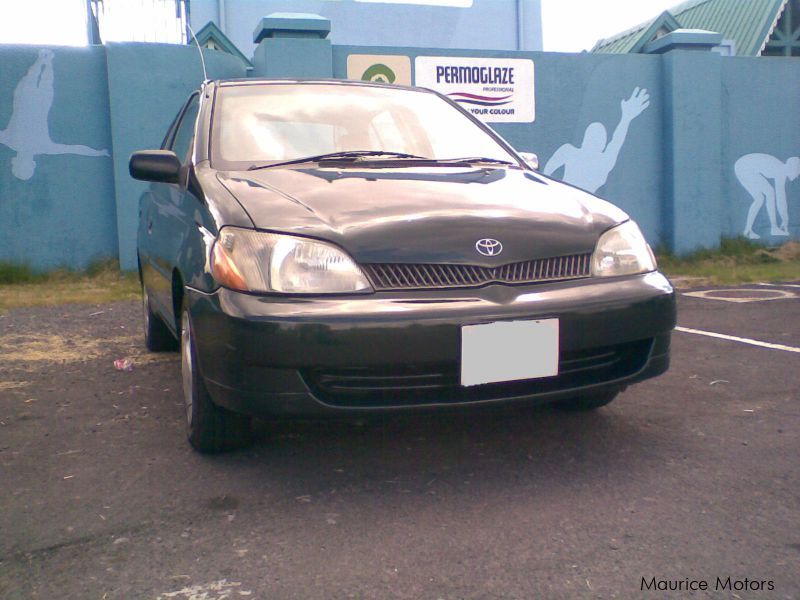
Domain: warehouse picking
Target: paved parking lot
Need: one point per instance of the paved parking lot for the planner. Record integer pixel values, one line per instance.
(692, 476)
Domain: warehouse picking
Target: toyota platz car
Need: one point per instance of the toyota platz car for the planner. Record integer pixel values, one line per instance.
(336, 247)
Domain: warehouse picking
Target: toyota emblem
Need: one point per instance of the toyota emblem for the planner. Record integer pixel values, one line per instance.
(488, 247)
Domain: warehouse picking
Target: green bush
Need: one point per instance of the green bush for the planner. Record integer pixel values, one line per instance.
(12, 273)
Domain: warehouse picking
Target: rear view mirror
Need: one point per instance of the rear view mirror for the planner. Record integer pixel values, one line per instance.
(531, 159)
(155, 165)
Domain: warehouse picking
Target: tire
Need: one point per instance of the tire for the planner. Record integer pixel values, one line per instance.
(210, 428)
(157, 336)
(587, 402)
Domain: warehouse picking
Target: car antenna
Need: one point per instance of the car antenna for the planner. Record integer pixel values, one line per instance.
(202, 60)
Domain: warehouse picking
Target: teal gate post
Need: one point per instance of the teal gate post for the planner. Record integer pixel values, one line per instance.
(293, 45)
(693, 211)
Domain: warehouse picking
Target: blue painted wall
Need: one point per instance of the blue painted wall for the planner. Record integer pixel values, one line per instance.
(575, 91)
(486, 24)
(760, 114)
(694, 116)
(69, 120)
(56, 200)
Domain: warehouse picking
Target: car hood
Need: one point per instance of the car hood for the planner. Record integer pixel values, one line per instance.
(425, 215)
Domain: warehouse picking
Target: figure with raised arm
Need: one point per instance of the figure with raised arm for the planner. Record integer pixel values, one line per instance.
(589, 166)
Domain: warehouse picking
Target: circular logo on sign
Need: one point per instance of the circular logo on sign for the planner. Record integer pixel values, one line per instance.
(379, 73)
(489, 247)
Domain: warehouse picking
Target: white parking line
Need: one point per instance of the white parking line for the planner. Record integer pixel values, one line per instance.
(791, 285)
(733, 338)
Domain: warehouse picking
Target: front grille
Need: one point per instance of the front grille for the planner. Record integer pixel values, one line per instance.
(439, 384)
(405, 276)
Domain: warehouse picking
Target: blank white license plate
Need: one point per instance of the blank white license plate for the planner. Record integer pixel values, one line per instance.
(509, 351)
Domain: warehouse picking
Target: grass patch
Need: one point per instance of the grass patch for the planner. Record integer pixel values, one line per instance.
(737, 260)
(101, 282)
(10, 273)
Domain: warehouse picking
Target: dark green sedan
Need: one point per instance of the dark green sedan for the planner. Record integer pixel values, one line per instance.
(334, 247)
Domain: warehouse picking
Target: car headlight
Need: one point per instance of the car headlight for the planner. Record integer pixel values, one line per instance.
(622, 251)
(255, 261)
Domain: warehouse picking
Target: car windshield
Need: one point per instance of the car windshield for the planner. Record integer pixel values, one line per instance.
(257, 125)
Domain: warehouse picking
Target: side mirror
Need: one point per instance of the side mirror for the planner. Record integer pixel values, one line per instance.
(155, 165)
(531, 159)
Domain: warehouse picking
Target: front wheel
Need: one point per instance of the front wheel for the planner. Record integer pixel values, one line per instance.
(210, 428)
(587, 402)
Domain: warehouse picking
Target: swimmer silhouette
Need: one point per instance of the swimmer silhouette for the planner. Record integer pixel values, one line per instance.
(588, 167)
(27, 132)
(765, 178)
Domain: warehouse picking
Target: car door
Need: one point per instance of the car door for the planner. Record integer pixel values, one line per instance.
(165, 222)
(151, 279)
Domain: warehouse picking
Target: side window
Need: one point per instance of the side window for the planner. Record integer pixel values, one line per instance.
(185, 132)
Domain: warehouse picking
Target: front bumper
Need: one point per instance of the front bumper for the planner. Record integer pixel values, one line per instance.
(279, 355)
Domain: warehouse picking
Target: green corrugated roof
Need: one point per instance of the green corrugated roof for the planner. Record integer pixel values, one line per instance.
(748, 23)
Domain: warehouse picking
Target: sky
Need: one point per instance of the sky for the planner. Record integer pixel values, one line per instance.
(63, 22)
(21, 22)
(575, 25)
(569, 25)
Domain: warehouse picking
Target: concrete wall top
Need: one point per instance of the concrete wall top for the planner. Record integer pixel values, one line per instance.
(297, 25)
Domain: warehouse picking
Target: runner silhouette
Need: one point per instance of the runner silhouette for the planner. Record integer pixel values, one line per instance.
(765, 178)
(27, 132)
(588, 167)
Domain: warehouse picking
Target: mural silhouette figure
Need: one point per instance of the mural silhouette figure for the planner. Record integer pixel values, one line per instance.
(765, 178)
(27, 132)
(588, 167)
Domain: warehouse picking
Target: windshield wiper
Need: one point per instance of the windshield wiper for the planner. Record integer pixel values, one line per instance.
(359, 155)
(349, 155)
(475, 159)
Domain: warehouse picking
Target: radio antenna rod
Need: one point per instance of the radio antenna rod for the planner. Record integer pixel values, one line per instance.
(196, 43)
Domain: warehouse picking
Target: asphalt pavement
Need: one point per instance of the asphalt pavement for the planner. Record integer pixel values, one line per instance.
(688, 478)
